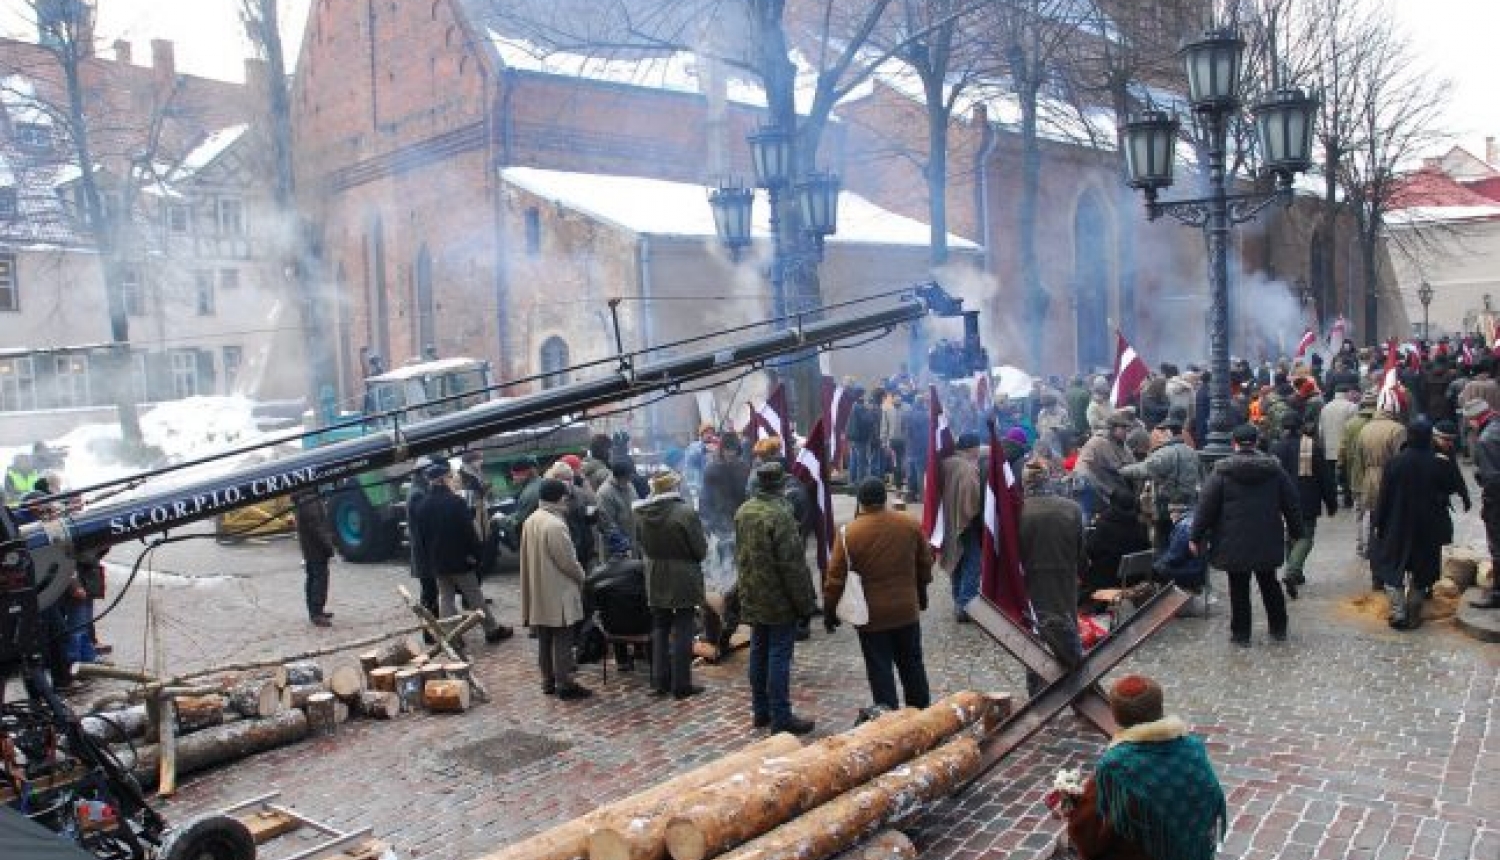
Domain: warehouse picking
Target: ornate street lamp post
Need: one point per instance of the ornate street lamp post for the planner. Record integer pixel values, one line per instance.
(1424, 295)
(1284, 125)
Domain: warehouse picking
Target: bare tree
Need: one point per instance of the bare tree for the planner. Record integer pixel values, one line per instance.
(262, 22)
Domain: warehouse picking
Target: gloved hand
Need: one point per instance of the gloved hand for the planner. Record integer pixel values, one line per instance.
(831, 622)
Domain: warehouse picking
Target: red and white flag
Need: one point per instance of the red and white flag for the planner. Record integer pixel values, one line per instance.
(1336, 334)
(1466, 353)
(1389, 397)
(838, 403)
(939, 445)
(770, 418)
(982, 400)
(811, 468)
(1130, 372)
(1308, 339)
(1001, 578)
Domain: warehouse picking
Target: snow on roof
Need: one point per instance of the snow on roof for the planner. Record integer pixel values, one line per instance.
(1417, 216)
(670, 71)
(661, 208)
(210, 149)
(427, 368)
(18, 94)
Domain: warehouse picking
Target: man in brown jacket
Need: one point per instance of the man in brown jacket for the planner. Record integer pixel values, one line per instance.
(963, 502)
(1379, 443)
(890, 554)
(552, 590)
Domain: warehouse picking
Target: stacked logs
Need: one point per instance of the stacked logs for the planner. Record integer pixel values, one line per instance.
(167, 727)
(777, 799)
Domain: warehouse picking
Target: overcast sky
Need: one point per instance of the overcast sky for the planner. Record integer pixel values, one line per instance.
(1457, 38)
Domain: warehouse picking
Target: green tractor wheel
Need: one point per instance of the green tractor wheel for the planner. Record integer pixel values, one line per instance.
(359, 532)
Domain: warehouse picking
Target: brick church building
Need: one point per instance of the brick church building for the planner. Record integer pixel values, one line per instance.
(470, 193)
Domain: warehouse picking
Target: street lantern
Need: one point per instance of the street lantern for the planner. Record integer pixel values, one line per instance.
(1213, 70)
(1151, 150)
(818, 199)
(732, 207)
(1284, 122)
(1284, 125)
(1424, 295)
(771, 153)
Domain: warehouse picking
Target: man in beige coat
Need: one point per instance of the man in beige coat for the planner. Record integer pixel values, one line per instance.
(1379, 442)
(552, 590)
(963, 502)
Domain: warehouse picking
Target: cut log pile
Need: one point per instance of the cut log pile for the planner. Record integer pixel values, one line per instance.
(163, 727)
(777, 799)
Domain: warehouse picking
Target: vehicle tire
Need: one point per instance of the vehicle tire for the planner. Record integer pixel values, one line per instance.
(209, 837)
(359, 532)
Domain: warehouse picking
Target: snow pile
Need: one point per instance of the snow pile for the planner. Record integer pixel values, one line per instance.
(180, 430)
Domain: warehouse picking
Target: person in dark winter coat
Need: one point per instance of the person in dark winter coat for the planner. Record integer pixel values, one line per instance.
(1117, 532)
(1411, 524)
(1052, 556)
(671, 538)
(1241, 512)
(616, 590)
(894, 562)
(315, 538)
(1301, 455)
(452, 550)
(416, 494)
(724, 481)
(1178, 564)
(776, 592)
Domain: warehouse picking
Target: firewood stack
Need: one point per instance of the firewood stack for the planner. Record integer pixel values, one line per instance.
(209, 723)
(776, 800)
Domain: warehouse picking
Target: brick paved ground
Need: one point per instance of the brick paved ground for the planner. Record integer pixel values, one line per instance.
(1347, 741)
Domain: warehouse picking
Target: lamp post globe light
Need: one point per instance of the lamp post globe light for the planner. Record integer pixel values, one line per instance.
(1283, 124)
(1424, 295)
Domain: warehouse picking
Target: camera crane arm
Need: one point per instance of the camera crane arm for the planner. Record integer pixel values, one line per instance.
(52, 545)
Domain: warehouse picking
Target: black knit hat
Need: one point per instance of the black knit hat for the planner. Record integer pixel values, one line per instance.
(1135, 699)
(871, 493)
(1245, 434)
(552, 490)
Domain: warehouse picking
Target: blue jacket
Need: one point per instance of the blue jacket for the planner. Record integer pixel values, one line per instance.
(1178, 563)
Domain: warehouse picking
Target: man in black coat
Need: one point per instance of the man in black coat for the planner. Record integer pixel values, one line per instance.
(452, 549)
(1301, 456)
(315, 539)
(1411, 524)
(416, 494)
(1245, 502)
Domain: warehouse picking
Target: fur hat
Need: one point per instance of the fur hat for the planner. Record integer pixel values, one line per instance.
(665, 481)
(871, 493)
(552, 490)
(559, 471)
(1135, 699)
(770, 477)
(769, 446)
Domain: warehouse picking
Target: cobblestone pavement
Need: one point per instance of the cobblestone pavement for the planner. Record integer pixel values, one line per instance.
(1349, 740)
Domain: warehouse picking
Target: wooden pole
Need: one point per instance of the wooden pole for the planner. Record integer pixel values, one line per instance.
(718, 817)
(222, 744)
(166, 740)
(570, 839)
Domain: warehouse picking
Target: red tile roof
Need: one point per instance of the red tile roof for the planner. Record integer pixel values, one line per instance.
(1488, 187)
(1430, 188)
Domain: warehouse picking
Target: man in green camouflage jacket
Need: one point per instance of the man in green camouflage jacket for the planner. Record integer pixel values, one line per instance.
(775, 588)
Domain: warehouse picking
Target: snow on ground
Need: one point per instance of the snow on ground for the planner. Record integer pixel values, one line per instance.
(182, 430)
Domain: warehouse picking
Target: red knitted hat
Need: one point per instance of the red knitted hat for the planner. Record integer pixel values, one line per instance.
(1135, 699)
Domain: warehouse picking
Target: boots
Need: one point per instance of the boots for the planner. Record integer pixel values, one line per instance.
(1397, 599)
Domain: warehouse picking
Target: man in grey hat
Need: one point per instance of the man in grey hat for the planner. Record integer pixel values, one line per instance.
(1486, 450)
(1174, 470)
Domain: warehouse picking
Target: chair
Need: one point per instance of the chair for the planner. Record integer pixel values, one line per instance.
(612, 639)
(1135, 567)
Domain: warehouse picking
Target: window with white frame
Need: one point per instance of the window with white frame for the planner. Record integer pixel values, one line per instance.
(70, 380)
(234, 359)
(203, 292)
(10, 288)
(184, 373)
(17, 384)
(231, 216)
(132, 293)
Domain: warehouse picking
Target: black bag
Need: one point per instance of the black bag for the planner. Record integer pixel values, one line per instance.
(588, 643)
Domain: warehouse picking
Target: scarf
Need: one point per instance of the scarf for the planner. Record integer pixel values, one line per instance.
(1158, 790)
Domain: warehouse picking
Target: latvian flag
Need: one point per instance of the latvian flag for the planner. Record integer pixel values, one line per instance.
(1308, 339)
(939, 445)
(1336, 334)
(838, 403)
(1389, 398)
(770, 419)
(1466, 353)
(1001, 578)
(811, 468)
(1130, 372)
